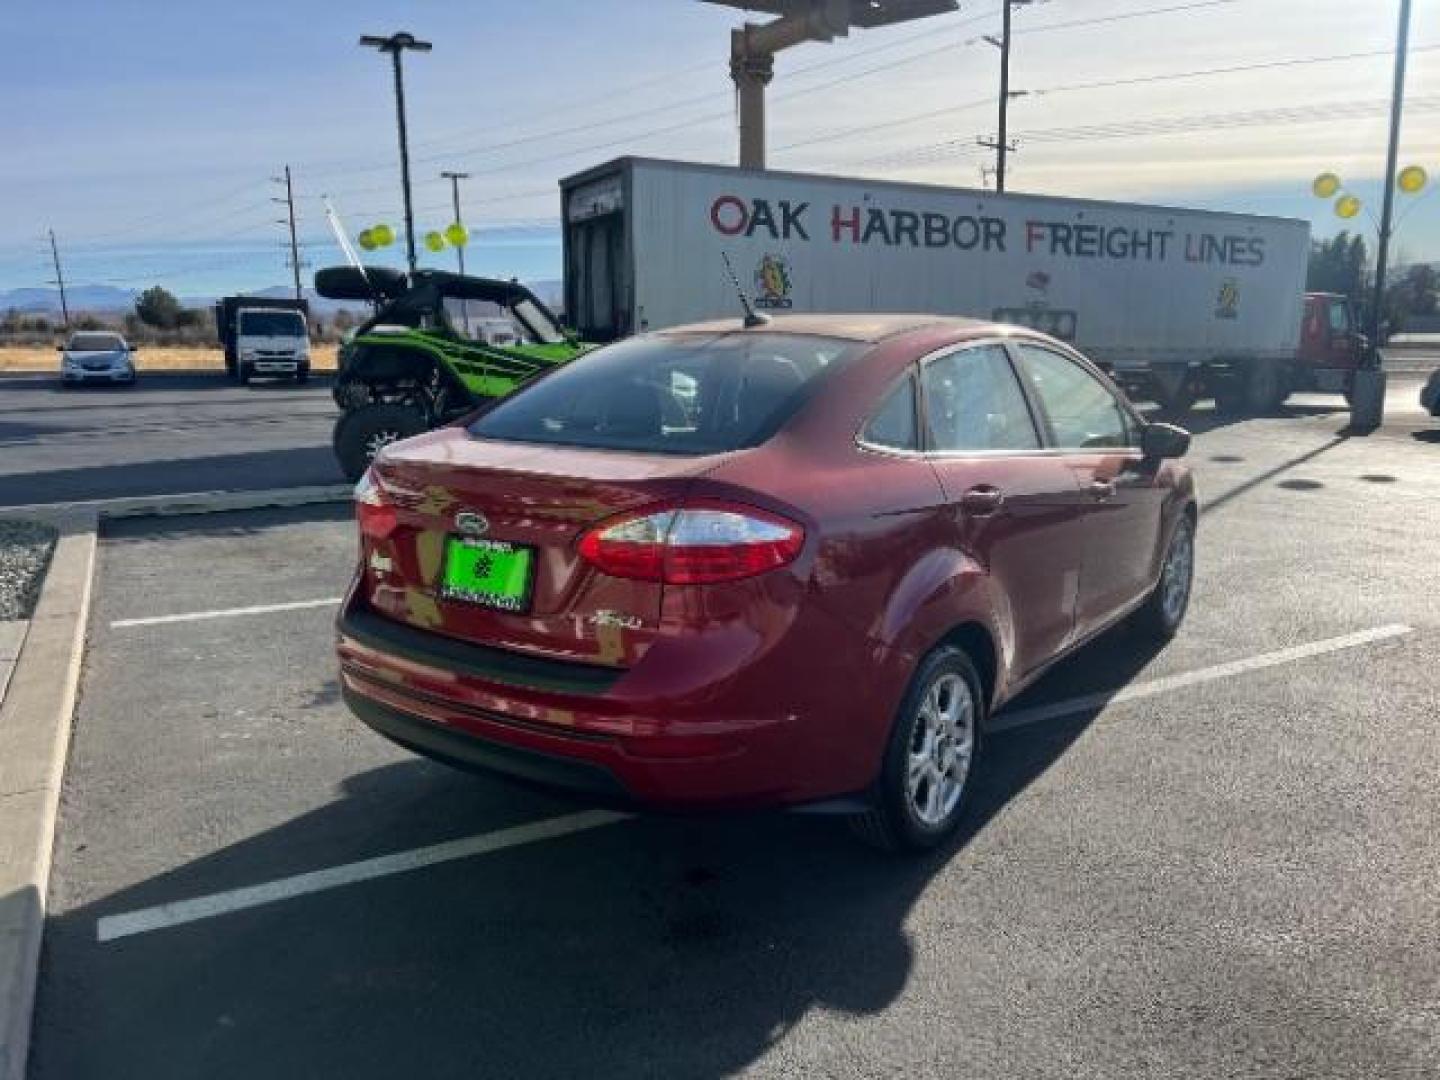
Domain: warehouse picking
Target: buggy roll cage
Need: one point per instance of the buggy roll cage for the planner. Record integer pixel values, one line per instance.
(404, 299)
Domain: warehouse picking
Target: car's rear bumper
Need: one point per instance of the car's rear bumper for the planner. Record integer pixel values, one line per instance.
(741, 739)
(465, 751)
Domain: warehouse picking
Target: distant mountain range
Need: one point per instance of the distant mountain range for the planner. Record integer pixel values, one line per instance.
(107, 298)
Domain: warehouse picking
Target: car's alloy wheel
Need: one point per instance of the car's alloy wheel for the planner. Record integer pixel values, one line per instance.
(931, 757)
(940, 750)
(1178, 573)
(1164, 610)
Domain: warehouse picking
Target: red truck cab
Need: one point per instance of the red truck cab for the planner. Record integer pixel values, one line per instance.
(1331, 345)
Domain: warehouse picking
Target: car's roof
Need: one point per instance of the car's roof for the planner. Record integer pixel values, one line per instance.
(858, 326)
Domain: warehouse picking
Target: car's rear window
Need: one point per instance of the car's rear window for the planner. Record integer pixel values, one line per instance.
(671, 393)
(95, 342)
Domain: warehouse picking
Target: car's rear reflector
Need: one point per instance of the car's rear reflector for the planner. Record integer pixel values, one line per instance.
(692, 543)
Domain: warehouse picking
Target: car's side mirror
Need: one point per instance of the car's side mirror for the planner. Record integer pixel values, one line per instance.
(1160, 441)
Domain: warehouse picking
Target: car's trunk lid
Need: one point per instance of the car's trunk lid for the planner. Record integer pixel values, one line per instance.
(539, 499)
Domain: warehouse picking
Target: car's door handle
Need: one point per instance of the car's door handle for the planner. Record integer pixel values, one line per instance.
(982, 500)
(1102, 489)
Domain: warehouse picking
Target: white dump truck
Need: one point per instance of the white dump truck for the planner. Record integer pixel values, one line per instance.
(1176, 303)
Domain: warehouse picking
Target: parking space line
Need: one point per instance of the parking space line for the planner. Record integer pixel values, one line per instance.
(146, 920)
(226, 613)
(114, 927)
(1006, 721)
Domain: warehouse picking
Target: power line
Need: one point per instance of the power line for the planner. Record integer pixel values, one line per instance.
(1268, 65)
(1173, 125)
(1096, 85)
(1143, 13)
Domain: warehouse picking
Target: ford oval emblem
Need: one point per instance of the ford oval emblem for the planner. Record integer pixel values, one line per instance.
(472, 523)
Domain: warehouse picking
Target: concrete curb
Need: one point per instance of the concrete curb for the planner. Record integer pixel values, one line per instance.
(191, 502)
(35, 722)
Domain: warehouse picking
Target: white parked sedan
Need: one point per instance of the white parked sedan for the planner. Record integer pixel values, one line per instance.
(96, 356)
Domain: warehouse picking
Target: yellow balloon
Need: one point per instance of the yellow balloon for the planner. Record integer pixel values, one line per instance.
(1347, 206)
(383, 235)
(457, 234)
(1412, 178)
(1325, 185)
(434, 241)
(367, 240)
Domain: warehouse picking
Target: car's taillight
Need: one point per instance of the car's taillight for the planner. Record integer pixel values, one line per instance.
(690, 544)
(375, 515)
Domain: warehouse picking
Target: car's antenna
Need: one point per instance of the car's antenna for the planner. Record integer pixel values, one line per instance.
(753, 318)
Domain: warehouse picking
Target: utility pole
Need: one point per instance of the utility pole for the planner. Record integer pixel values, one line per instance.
(395, 45)
(289, 201)
(455, 178)
(1002, 145)
(60, 280)
(1367, 409)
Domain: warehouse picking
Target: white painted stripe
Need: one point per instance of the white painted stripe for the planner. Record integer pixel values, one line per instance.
(114, 927)
(226, 613)
(1008, 720)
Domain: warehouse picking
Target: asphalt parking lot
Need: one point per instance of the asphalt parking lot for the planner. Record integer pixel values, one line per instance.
(171, 434)
(1215, 859)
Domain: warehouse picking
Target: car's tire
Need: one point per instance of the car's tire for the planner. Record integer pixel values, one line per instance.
(302, 376)
(243, 374)
(1159, 618)
(930, 759)
(361, 433)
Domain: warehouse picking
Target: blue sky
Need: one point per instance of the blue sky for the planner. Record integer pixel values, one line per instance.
(145, 133)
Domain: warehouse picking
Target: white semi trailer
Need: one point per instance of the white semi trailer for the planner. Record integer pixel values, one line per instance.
(1176, 303)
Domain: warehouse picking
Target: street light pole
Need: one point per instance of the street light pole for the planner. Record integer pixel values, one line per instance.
(1367, 407)
(1387, 212)
(455, 178)
(395, 45)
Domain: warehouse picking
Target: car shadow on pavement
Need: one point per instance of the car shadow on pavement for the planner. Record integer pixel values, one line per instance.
(657, 946)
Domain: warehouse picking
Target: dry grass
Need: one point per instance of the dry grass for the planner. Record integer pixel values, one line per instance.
(155, 358)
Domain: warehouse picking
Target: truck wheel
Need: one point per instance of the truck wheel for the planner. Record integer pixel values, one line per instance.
(1179, 404)
(362, 433)
(243, 374)
(1267, 388)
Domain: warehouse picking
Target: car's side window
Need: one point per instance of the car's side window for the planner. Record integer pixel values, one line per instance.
(1083, 413)
(973, 402)
(893, 427)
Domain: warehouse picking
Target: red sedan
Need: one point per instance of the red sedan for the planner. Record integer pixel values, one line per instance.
(743, 566)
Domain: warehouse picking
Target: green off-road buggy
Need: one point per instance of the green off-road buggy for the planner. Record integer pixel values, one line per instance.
(438, 346)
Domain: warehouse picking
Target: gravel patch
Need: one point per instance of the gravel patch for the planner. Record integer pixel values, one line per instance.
(25, 548)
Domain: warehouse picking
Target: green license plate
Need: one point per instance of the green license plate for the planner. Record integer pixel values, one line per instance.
(488, 572)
